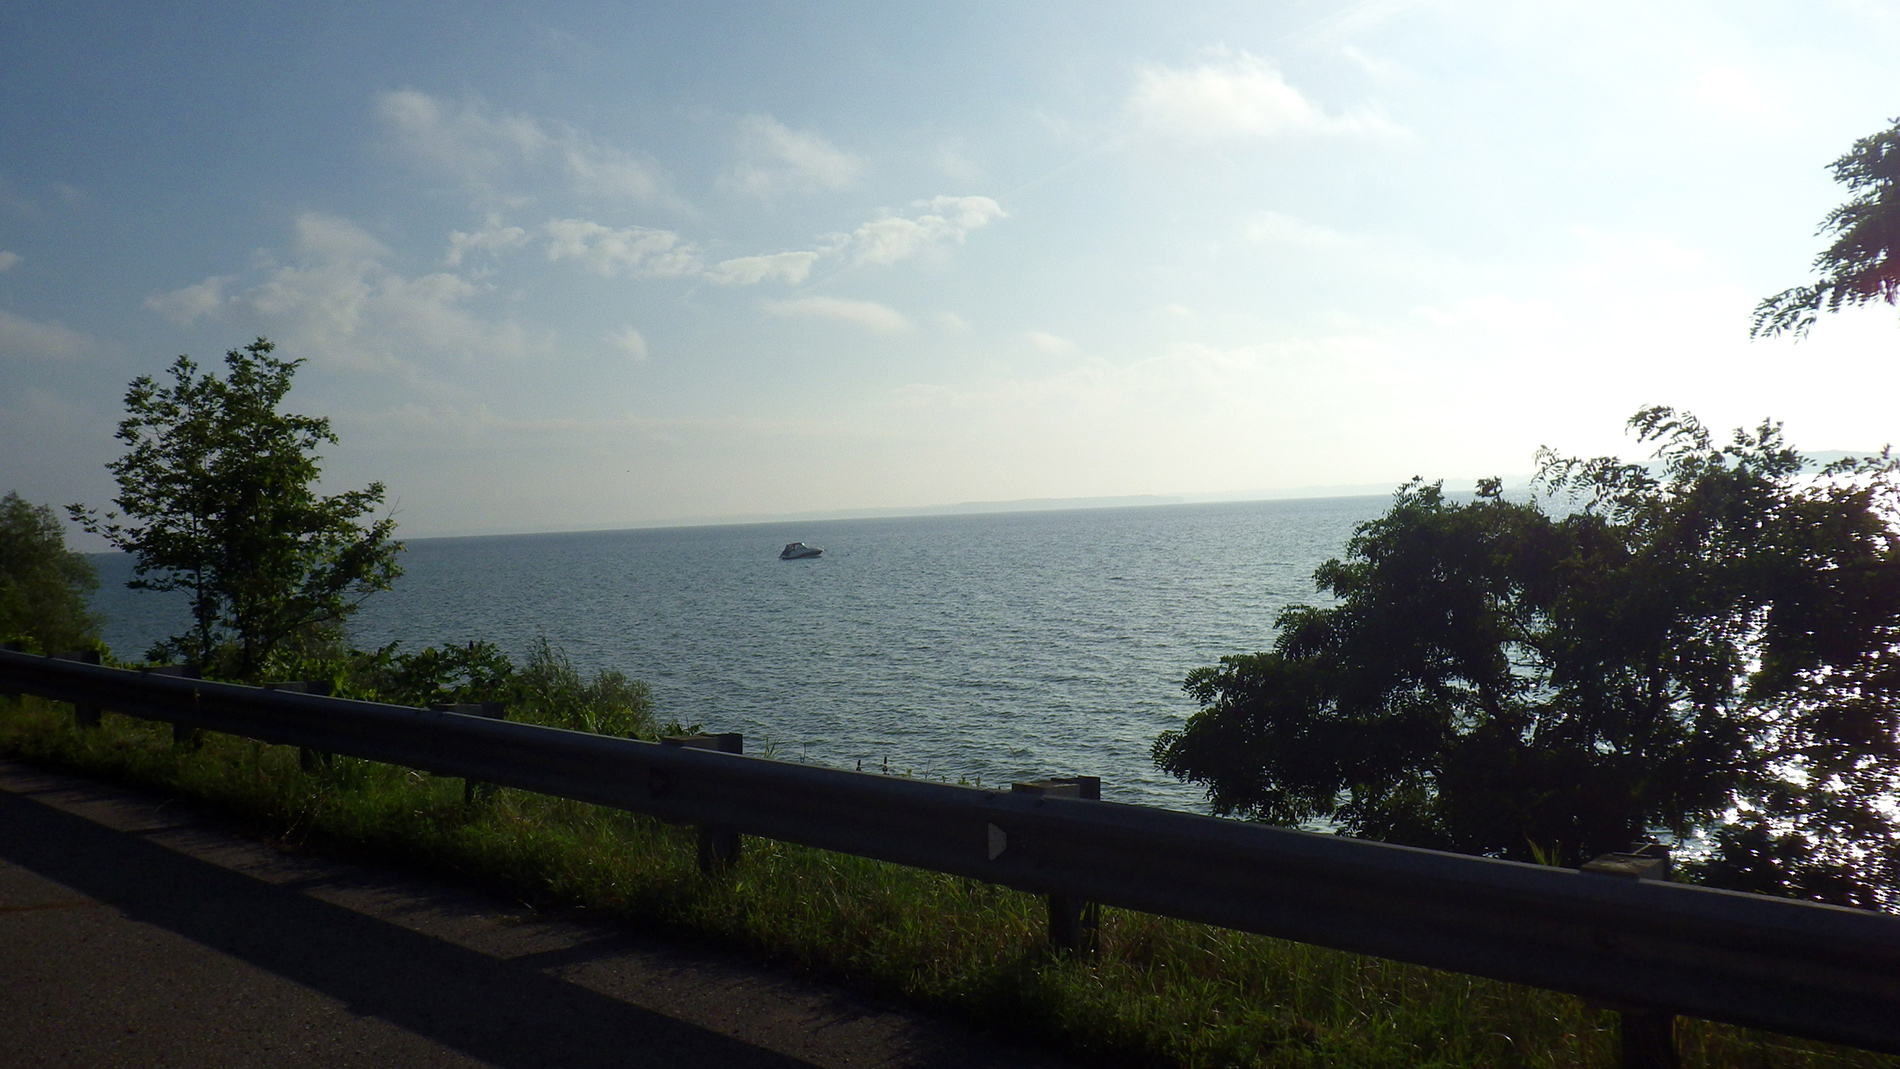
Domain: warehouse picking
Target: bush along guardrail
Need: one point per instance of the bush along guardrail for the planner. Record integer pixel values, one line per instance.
(1648, 948)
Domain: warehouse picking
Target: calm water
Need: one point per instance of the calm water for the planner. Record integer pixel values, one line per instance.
(991, 648)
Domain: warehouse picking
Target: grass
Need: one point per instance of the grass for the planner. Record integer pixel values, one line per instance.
(1161, 993)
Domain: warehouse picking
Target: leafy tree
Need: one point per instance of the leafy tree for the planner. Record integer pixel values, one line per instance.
(1863, 264)
(1707, 645)
(217, 493)
(43, 585)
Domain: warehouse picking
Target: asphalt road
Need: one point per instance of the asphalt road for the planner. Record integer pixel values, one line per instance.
(136, 931)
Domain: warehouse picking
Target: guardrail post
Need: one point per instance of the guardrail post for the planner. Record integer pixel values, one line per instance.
(1648, 1035)
(84, 716)
(1075, 926)
(182, 734)
(307, 759)
(12, 647)
(718, 847)
(473, 790)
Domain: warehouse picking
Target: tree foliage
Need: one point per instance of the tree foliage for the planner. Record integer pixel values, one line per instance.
(1706, 644)
(545, 688)
(217, 498)
(44, 586)
(1863, 263)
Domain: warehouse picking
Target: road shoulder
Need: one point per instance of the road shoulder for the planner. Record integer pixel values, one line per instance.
(137, 929)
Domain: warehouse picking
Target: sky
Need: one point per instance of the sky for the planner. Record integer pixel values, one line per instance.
(599, 265)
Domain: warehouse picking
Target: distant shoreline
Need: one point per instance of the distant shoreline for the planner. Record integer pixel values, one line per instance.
(972, 508)
(964, 508)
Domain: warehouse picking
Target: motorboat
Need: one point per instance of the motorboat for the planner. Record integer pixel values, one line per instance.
(798, 551)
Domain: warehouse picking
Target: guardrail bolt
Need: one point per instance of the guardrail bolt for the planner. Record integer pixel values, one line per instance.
(718, 847)
(308, 760)
(183, 735)
(84, 716)
(1075, 926)
(474, 791)
(1648, 1036)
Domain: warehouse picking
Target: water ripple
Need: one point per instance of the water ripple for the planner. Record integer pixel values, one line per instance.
(989, 648)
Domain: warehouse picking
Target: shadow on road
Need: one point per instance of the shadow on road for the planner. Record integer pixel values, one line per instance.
(496, 1011)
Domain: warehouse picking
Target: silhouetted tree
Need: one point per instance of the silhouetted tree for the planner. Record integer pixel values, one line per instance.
(1861, 265)
(1707, 644)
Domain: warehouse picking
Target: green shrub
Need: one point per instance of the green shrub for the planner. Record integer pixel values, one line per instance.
(544, 688)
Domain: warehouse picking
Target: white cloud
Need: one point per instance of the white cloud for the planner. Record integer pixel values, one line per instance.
(880, 241)
(646, 252)
(962, 214)
(597, 169)
(22, 338)
(791, 267)
(9, 260)
(1355, 19)
(427, 308)
(183, 306)
(1237, 96)
(651, 253)
(492, 238)
(869, 315)
(635, 250)
(339, 301)
(1379, 69)
(1732, 92)
(494, 151)
(332, 238)
(1637, 260)
(1053, 344)
(642, 252)
(1497, 313)
(951, 323)
(951, 159)
(453, 426)
(630, 343)
(468, 140)
(780, 159)
(888, 240)
(1272, 228)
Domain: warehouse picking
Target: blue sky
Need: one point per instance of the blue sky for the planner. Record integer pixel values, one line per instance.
(603, 265)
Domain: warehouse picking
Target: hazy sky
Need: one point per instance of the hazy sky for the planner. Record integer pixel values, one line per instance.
(579, 265)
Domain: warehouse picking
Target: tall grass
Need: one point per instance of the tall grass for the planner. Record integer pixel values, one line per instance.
(1161, 993)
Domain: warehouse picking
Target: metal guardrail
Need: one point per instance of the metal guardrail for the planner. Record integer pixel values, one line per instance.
(1798, 968)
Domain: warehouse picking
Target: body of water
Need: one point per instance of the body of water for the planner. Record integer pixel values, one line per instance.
(980, 647)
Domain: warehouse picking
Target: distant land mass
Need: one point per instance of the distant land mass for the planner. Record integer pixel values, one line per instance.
(969, 508)
(1519, 483)
(1053, 504)
(1515, 485)
(961, 508)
